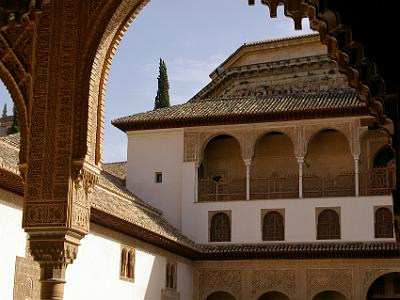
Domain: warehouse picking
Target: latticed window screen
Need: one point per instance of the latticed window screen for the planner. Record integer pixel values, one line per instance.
(220, 228)
(383, 223)
(328, 227)
(273, 227)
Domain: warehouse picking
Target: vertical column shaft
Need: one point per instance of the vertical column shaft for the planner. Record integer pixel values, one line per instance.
(247, 163)
(300, 161)
(357, 175)
(196, 182)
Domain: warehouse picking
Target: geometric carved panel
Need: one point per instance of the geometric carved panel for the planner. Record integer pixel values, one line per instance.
(319, 280)
(26, 279)
(219, 280)
(279, 280)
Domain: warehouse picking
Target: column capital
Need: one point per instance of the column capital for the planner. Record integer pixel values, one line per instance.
(300, 159)
(356, 156)
(247, 162)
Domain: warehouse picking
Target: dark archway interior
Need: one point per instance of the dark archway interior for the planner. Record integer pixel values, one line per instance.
(273, 296)
(220, 296)
(329, 295)
(385, 287)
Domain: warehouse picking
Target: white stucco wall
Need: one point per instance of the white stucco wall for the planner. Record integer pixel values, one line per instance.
(95, 272)
(357, 218)
(12, 240)
(157, 151)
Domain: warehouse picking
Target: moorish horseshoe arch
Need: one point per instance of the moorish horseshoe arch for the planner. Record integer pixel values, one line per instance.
(379, 273)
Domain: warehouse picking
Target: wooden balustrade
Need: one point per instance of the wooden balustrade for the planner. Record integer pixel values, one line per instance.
(378, 181)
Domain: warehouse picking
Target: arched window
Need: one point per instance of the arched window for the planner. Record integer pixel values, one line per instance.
(171, 276)
(127, 269)
(220, 228)
(273, 227)
(328, 227)
(383, 223)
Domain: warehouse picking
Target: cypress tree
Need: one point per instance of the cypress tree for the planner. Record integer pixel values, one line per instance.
(15, 124)
(4, 110)
(162, 97)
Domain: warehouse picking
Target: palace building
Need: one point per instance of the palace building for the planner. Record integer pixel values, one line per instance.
(273, 182)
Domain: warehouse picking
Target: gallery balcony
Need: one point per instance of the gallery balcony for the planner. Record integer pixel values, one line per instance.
(378, 181)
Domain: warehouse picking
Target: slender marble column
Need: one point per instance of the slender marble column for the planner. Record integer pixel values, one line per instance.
(247, 163)
(300, 161)
(196, 182)
(357, 175)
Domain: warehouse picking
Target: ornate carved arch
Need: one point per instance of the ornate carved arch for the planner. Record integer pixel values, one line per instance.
(206, 137)
(112, 19)
(373, 274)
(312, 131)
(16, 68)
(290, 132)
(360, 71)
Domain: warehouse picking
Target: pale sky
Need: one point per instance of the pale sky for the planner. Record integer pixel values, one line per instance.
(192, 37)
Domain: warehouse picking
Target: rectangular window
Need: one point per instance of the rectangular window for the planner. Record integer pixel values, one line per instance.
(158, 176)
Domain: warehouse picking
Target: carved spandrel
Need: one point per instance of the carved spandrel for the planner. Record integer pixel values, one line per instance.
(282, 280)
(340, 280)
(217, 280)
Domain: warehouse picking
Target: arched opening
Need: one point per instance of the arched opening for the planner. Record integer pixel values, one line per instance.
(329, 295)
(377, 167)
(222, 174)
(385, 287)
(220, 228)
(273, 227)
(328, 166)
(328, 227)
(273, 296)
(220, 296)
(274, 169)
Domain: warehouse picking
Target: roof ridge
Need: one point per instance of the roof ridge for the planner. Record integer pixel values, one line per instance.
(280, 39)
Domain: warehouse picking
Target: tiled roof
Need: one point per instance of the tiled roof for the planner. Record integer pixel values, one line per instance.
(9, 152)
(131, 218)
(247, 110)
(302, 250)
(117, 169)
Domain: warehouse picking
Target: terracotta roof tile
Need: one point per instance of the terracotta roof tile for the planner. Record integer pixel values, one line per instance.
(246, 110)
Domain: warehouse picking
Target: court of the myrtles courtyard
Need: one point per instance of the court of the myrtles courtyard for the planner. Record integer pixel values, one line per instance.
(277, 180)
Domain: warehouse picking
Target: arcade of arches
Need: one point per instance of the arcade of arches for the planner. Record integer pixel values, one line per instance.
(55, 57)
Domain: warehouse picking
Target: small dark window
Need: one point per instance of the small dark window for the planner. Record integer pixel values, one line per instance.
(171, 276)
(328, 227)
(383, 223)
(273, 227)
(220, 228)
(158, 177)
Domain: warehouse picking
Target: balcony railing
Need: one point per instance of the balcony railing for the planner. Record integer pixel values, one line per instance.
(210, 190)
(274, 187)
(378, 181)
(341, 185)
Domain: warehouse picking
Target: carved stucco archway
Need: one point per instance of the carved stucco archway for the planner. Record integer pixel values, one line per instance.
(371, 275)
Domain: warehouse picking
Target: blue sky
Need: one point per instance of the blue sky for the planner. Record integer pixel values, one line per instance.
(193, 38)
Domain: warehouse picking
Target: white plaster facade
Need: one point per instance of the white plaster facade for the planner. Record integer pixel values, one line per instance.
(176, 196)
(12, 240)
(150, 153)
(95, 274)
